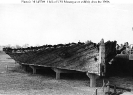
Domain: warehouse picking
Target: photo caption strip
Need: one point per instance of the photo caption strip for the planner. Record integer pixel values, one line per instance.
(65, 1)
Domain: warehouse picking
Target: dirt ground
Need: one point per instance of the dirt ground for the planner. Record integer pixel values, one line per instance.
(15, 81)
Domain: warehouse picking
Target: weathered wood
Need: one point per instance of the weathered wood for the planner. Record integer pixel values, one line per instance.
(57, 75)
(102, 58)
(33, 68)
(116, 87)
(63, 70)
(108, 85)
(93, 78)
(57, 71)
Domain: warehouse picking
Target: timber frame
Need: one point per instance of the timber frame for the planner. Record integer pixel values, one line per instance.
(91, 75)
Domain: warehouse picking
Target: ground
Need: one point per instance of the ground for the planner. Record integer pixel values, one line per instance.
(15, 81)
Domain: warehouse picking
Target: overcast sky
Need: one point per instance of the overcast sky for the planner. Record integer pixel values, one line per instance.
(39, 24)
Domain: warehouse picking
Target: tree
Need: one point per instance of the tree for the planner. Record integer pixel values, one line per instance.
(25, 45)
(17, 46)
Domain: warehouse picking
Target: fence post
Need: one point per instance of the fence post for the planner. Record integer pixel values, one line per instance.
(96, 91)
(108, 89)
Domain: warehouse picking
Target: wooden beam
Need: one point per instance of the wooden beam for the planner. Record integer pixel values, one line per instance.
(57, 75)
(102, 58)
(93, 78)
(33, 68)
(57, 71)
(63, 70)
(116, 87)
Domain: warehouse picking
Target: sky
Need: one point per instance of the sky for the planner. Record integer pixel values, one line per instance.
(40, 24)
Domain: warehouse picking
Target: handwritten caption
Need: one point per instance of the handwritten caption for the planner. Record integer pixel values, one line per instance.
(65, 1)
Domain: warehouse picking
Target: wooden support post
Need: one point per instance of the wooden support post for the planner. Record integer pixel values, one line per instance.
(58, 72)
(93, 78)
(6, 68)
(23, 66)
(102, 58)
(57, 75)
(33, 68)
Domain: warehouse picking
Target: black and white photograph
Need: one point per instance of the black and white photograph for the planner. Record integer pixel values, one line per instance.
(66, 47)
